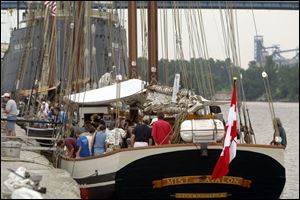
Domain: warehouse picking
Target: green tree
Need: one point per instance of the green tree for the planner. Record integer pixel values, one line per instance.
(288, 80)
(284, 80)
(252, 82)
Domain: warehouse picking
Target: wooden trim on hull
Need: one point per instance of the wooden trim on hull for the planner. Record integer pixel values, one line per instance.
(177, 145)
(276, 152)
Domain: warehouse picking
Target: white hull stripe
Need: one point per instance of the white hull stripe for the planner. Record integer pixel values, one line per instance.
(97, 184)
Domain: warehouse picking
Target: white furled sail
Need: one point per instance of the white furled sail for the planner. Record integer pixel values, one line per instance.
(107, 94)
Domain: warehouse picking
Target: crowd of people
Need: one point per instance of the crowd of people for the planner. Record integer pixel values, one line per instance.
(46, 113)
(96, 139)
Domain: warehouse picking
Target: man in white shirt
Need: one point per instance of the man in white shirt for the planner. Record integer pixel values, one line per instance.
(45, 108)
(11, 112)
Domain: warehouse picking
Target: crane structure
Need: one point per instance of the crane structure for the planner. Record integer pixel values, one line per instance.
(260, 53)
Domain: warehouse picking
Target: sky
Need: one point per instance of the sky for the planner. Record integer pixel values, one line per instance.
(278, 27)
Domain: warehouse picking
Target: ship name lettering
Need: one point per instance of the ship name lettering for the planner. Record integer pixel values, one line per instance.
(182, 180)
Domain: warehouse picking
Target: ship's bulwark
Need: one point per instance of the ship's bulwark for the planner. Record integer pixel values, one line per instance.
(109, 40)
(187, 174)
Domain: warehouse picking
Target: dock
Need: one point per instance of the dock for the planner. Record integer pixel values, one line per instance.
(58, 183)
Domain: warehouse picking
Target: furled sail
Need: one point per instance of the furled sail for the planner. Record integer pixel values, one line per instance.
(108, 94)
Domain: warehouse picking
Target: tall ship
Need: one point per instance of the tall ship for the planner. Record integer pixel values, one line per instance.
(200, 140)
(193, 163)
(39, 55)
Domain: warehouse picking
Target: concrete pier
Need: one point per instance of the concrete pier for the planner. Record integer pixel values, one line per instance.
(58, 183)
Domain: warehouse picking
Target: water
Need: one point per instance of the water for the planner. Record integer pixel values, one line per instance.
(262, 125)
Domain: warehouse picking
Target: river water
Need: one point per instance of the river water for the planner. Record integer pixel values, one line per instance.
(262, 125)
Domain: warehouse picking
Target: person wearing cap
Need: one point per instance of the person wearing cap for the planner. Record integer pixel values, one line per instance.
(150, 125)
(155, 119)
(141, 134)
(11, 112)
(161, 130)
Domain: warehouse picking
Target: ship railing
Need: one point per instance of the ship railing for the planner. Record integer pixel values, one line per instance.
(39, 14)
(48, 145)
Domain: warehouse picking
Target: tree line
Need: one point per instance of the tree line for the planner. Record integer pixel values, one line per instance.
(195, 75)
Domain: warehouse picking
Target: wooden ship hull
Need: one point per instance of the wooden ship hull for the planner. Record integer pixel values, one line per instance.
(175, 170)
(179, 171)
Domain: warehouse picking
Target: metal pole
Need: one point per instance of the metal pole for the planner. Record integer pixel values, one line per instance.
(18, 14)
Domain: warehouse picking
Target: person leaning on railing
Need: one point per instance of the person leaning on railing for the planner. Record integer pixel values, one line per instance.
(282, 139)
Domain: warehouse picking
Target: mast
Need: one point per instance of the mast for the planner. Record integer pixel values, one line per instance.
(86, 46)
(152, 42)
(18, 9)
(132, 37)
(132, 47)
(48, 50)
(77, 51)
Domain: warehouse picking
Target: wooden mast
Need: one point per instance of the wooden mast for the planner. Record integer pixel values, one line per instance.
(152, 42)
(132, 47)
(132, 37)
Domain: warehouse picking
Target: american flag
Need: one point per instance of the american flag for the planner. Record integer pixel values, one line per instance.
(51, 5)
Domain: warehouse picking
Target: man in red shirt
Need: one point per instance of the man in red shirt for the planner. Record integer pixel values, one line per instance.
(161, 130)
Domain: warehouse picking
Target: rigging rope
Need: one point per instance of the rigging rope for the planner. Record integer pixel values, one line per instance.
(232, 45)
(166, 44)
(203, 86)
(270, 103)
(267, 87)
(179, 50)
(144, 38)
(250, 132)
(253, 18)
(123, 50)
(206, 56)
(176, 138)
(226, 45)
(191, 48)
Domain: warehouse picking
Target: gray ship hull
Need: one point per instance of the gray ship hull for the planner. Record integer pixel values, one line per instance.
(108, 40)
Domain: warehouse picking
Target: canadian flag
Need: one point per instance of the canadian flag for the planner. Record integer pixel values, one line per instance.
(230, 142)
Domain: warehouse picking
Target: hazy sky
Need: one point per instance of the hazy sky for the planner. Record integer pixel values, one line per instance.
(277, 27)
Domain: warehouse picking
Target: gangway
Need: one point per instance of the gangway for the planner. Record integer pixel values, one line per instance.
(27, 138)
